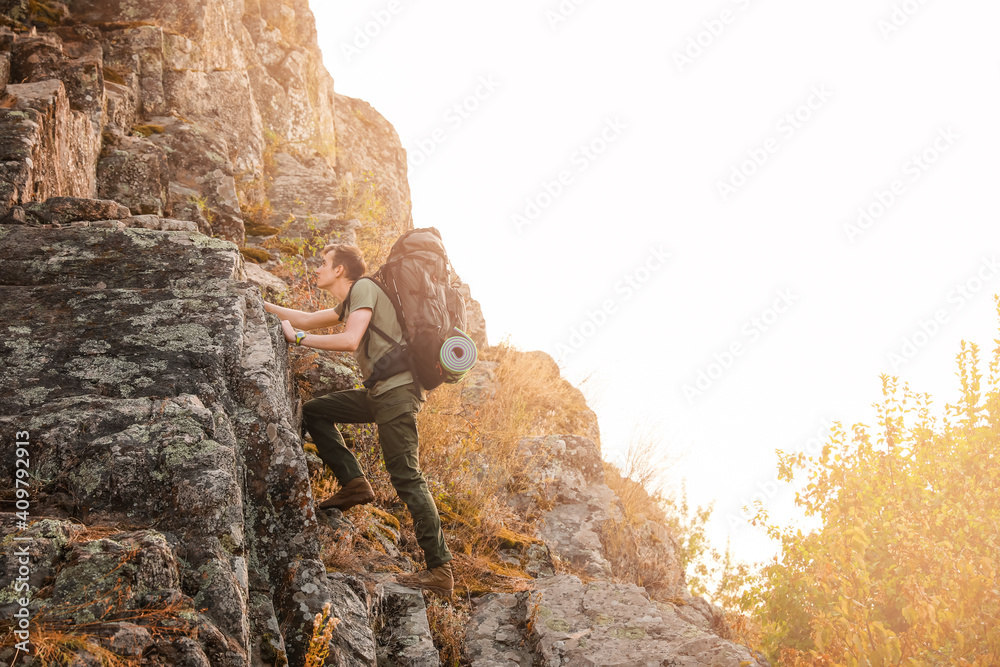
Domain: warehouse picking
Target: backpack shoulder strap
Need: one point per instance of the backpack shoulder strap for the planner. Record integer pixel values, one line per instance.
(395, 343)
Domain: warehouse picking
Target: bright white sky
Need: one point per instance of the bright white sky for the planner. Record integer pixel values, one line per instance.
(629, 261)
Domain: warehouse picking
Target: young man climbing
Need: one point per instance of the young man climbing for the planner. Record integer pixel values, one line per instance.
(392, 403)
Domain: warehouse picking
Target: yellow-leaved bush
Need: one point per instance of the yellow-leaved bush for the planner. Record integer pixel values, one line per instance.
(903, 570)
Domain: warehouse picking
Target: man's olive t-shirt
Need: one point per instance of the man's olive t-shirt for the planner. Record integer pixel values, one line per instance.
(366, 294)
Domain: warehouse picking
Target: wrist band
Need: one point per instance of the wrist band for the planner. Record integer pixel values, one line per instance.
(299, 336)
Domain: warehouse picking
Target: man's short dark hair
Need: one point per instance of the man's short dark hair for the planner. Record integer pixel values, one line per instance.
(348, 256)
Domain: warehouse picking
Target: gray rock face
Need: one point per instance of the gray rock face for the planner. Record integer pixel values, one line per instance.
(156, 393)
(185, 109)
(479, 385)
(368, 149)
(353, 642)
(568, 473)
(163, 107)
(202, 182)
(59, 210)
(564, 622)
(307, 189)
(4, 71)
(405, 637)
(475, 322)
(57, 112)
(135, 172)
(233, 67)
(46, 149)
(294, 90)
(71, 55)
(136, 352)
(323, 372)
(263, 279)
(167, 472)
(496, 633)
(603, 623)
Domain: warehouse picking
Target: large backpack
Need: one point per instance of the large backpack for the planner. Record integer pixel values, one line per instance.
(417, 278)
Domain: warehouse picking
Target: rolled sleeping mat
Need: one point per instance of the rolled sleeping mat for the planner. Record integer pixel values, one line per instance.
(458, 355)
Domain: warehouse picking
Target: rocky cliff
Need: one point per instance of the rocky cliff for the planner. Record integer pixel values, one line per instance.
(167, 476)
(165, 515)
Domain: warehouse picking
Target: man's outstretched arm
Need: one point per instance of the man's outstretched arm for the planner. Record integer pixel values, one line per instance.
(303, 320)
(347, 341)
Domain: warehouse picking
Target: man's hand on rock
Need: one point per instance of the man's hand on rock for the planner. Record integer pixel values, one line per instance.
(288, 330)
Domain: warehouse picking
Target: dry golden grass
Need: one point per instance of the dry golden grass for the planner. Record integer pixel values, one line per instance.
(621, 540)
(97, 532)
(359, 199)
(469, 456)
(470, 460)
(148, 129)
(44, 12)
(324, 484)
(631, 547)
(58, 634)
(361, 548)
(636, 500)
(637, 480)
(60, 647)
(448, 624)
(637, 563)
(739, 628)
(319, 644)
(477, 575)
(114, 76)
(533, 399)
(342, 556)
(256, 255)
(634, 554)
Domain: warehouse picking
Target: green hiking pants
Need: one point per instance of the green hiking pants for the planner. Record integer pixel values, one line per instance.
(395, 413)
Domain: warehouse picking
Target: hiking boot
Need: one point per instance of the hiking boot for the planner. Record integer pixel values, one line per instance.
(437, 580)
(356, 492)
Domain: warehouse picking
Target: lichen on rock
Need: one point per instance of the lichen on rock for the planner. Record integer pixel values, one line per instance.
(160, 402)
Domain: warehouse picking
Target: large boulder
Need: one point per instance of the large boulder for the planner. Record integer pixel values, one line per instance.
(370, 156)
(46, 148)
(156, 393)
(604, 623)
(564, 622)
